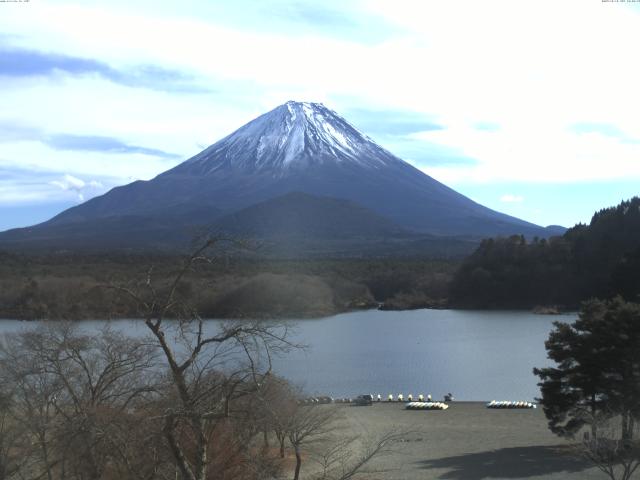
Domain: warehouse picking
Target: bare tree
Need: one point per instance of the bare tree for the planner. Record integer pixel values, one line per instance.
(614, 450)
(137, 447)
(319, 431)
(71, 391)
(278, 402)
(33, 393)
(345, 459)
(209, 370)
(308, 425)
(12, 435)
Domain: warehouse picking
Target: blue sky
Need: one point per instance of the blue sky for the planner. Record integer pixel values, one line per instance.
(527, 107)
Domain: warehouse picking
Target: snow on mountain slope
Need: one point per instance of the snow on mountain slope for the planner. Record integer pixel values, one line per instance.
(292, 136)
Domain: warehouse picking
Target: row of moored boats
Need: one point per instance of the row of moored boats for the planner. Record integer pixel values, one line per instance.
(422, 403)
(508, 404)
(426, 406)
(410, 398)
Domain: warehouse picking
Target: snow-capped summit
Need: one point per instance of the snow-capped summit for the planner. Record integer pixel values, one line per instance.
(291, 136)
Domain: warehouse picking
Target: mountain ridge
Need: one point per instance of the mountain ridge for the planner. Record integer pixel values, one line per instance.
(296, 147)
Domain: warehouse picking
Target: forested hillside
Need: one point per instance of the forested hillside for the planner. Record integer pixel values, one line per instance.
(601, 259)
(77, 286)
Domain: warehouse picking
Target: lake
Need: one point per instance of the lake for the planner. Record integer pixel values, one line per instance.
(476, 355)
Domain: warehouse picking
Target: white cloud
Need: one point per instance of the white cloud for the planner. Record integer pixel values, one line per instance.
(70, 183)
(509, 198)
(77, 185)
(522, 152)
(532, 68)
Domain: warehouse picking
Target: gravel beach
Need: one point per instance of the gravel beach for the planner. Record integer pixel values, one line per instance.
(469, 442)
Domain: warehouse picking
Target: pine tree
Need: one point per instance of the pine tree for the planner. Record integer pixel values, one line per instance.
(598, 369)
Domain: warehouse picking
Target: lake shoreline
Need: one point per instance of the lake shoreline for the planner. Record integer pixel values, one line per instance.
(542, 311)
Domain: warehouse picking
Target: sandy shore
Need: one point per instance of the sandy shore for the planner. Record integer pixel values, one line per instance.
(469, 442)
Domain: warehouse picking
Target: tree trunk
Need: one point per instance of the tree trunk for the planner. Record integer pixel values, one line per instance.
(282, 447)
(93, 469)
(296, 475)
(625, 427)
(594, 423)
(201, 453)
(265, 436)
(176, 450)
(45, 455)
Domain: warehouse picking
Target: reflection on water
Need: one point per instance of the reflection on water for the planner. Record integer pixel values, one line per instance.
(475, 355)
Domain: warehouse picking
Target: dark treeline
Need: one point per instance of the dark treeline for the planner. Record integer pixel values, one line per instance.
(69, 286)
(601, 259)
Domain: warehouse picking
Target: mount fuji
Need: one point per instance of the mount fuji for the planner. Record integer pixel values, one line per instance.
(300, 161)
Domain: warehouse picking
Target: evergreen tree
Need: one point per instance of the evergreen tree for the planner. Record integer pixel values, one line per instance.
(598, 369)
(601, 259)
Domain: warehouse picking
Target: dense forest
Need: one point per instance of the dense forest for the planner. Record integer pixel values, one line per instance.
(601, 259)
(79, 286)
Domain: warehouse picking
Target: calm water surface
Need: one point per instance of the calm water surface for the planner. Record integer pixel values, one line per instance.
(476, 355)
